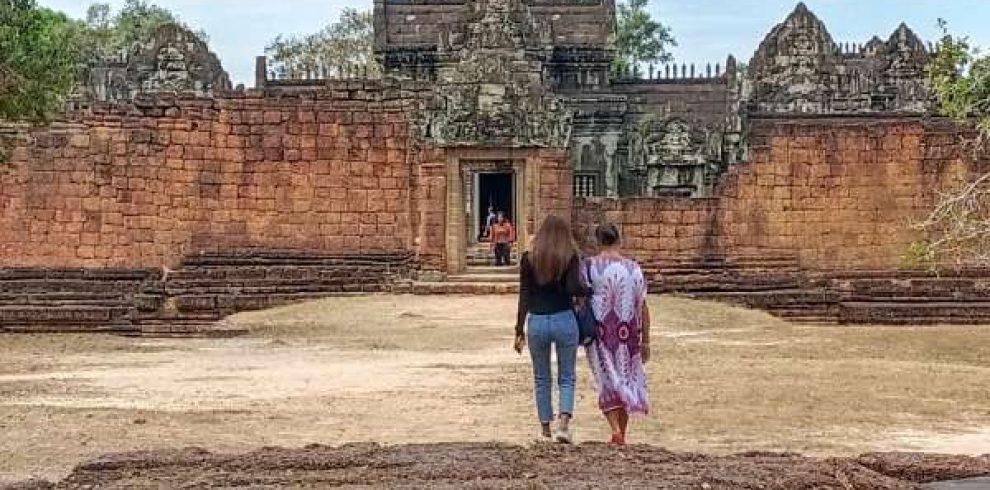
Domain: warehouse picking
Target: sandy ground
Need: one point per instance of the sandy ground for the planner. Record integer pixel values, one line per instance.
(436, 369)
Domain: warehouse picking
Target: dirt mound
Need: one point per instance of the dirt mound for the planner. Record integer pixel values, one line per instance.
(503, 466)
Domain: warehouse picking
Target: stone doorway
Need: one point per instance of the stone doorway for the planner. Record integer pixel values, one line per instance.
(496, 192)
(482, 178)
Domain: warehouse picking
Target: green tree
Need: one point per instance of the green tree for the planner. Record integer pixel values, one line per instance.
(639, 38)
(38, 60)
(958, 229)
(343, 45)
(960, 76)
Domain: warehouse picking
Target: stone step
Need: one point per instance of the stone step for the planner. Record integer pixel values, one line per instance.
(809, 315)
(491, 269)
(228, 303)
(288, 258)
(487, 263)
(920, 321)
(811, 319)
(731, 283)
(67, 319)
(966, 308)
(19, 315)
(117, 327)
(463, 288)
(488, 258)
(56, 300)
(266, 287)
(962, 313)
(914, 298)
(715, 288)
(484, 278)
(186, 329)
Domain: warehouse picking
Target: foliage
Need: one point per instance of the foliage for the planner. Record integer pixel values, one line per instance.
(342, 46)
(958, 229)
(42, 52)
(640, 39)
(37, 60)
(960, 76)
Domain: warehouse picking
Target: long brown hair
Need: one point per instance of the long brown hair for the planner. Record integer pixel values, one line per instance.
(553, 250)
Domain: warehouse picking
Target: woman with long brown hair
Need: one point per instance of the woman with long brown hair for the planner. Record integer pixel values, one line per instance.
(550, 279)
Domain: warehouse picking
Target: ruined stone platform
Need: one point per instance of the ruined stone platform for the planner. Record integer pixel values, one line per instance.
(191, 300)
(777, 284)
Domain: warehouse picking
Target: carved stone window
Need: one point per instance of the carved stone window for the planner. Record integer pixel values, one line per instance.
(585, 185)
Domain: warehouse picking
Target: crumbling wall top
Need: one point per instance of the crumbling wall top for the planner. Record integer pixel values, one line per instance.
(173, 59)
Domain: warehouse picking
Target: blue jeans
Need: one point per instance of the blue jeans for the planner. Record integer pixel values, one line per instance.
(561, 330)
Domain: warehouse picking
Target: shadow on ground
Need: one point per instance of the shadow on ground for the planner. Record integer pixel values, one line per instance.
(506, 466)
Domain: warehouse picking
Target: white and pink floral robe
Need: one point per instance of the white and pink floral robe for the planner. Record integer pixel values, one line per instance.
(616, 356)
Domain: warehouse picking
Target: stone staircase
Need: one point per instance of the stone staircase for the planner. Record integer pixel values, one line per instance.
(480, 277)
(480, 255)
(777, 285)
(476, 280)
(911, 297)
(212, 286)
(72, 300)
(774, 283)
(190, 301)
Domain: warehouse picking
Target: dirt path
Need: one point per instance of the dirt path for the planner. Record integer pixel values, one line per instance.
(400, 370)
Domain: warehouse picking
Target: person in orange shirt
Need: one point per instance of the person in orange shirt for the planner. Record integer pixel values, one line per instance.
(503, 235)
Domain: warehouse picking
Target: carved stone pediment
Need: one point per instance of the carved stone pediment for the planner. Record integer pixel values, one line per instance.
(497, 24)
(492, 88)
(672, 157)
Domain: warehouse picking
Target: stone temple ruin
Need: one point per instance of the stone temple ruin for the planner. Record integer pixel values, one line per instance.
(164, 200)
(173, 60)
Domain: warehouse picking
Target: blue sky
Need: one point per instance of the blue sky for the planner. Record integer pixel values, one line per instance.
(706, 30)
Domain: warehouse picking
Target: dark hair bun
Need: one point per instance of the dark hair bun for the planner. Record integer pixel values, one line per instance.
(607, 235)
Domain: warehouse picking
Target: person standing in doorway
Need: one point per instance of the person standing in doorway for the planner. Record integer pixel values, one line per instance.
(502, 237)
(549, 281)
(486, 232)
(618, 355)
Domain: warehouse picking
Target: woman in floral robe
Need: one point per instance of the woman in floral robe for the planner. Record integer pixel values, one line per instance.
(622, 348)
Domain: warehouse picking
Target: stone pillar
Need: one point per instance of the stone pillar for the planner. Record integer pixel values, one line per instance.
(260, 72)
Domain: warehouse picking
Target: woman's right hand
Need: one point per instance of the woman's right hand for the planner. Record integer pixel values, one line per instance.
(519, 343)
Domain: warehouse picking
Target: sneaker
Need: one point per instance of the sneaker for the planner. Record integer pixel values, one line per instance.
(563, 433)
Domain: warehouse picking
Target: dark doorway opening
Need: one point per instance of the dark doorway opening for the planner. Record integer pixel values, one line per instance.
(495, 190)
